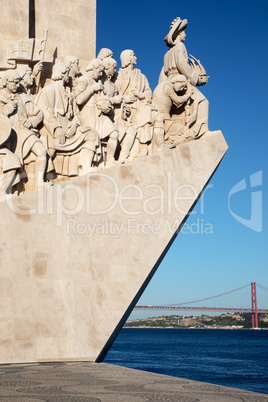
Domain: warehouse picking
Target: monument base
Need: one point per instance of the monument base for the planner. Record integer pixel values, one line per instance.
(76, 257)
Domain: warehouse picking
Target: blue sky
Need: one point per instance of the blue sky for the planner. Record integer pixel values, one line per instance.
(231, 40)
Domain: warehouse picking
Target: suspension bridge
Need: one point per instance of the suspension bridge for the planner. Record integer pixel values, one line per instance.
(241, 300)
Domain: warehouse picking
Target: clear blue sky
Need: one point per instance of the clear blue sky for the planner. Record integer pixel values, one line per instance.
(231, 40)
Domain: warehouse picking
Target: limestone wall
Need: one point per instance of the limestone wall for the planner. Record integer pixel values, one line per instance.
(71, 25)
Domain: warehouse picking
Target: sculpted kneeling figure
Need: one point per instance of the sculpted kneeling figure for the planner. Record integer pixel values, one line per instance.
(25, 117)
(174, 96)
(71, 145)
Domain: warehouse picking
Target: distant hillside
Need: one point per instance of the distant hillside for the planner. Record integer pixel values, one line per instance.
(235, 320)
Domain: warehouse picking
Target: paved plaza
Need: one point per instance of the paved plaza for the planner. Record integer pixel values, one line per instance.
(95, 382)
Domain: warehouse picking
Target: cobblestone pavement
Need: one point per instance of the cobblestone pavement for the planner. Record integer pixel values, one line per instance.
(94, 382)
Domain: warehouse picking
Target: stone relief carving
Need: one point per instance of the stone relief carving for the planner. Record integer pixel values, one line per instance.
(79, 122)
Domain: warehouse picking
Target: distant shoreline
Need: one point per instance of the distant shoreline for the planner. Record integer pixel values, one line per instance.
(240, 329)
(223, 321)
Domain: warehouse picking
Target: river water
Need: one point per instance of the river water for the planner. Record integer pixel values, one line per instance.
(234, 358)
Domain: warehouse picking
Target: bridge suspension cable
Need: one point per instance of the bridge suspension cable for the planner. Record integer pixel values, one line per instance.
(243, 299)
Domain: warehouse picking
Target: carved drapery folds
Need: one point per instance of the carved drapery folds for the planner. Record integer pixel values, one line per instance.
(79, 121)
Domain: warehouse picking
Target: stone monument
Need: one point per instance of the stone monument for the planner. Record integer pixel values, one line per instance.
(98, 175)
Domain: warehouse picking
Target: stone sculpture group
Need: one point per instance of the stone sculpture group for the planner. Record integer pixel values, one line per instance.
(76, 123)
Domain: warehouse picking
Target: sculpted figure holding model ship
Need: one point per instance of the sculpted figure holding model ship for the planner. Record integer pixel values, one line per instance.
(176, 61)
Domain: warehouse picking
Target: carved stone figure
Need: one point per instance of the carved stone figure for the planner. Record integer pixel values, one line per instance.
(176, 62)
(109, 87)
(71, 145)
(172, 95)
(96, 108)
(25, 116)
(104, 52)
(28, 79)
(74, 70)
(9, 162)
(135, 90)
(127, 132)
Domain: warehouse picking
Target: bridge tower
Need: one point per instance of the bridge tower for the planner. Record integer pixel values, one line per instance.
(254, 305)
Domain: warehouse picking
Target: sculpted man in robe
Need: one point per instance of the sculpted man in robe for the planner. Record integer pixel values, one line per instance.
(25, 116)
(176, 62)
(71, 145)
(109, 87)
(135, 90)
(172, 95)
(127, 131)
(96, 108)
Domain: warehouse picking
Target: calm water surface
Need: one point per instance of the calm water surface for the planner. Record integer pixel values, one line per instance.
(234, 358)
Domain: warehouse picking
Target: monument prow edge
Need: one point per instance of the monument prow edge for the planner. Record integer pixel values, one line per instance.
(117, 329)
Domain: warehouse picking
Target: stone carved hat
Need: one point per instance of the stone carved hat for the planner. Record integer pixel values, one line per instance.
(9, 75)
(22, 70)
(176, 27)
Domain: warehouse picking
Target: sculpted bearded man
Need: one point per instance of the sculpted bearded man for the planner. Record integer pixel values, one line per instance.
(28, 79)
(176, 62)
(71, 145)
(74, 70)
